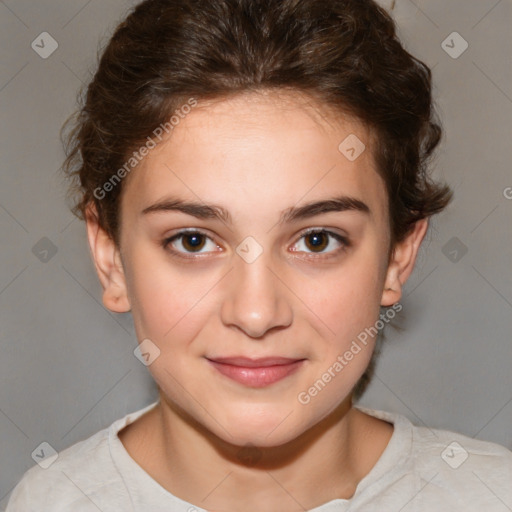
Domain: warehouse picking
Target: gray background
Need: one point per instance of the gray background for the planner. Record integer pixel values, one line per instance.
(67, 364)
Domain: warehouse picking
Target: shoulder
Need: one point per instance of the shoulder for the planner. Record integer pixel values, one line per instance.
(72, 481)
(436, 469)
(459, 451)
(465, 470)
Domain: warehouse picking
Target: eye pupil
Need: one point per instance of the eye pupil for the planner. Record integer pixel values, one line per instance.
(318, 240)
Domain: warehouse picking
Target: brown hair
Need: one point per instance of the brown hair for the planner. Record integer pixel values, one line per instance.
(343, 53)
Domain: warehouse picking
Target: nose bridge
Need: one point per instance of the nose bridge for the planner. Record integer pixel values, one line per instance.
(256, 300)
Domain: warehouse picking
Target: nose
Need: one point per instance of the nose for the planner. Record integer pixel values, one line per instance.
(256, 299)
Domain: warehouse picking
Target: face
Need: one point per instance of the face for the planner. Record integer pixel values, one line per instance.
(249, 234)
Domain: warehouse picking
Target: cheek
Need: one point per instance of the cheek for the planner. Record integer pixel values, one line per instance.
(347, 300)
(170, 303)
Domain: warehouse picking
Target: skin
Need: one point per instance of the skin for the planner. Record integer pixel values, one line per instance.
(256, 155)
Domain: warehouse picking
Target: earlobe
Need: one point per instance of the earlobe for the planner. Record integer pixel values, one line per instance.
(402, 263)
(107, 261)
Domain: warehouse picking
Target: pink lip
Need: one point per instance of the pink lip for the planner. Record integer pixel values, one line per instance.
(256, 373)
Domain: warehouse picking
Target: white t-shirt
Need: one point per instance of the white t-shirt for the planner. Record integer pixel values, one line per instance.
(421, 469)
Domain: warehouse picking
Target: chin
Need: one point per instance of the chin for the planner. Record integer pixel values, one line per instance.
(261, 427)
(245, 436)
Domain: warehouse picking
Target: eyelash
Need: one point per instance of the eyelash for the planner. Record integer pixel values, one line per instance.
(339, 238)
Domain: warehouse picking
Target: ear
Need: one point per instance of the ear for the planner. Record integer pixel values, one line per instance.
(402, 262)
(107, 260)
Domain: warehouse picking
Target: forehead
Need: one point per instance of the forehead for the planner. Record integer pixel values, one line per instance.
(260, 153)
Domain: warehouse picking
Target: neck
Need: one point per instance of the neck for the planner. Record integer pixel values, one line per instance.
(324, 463)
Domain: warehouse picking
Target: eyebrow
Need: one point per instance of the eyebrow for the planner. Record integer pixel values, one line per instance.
(295, 213)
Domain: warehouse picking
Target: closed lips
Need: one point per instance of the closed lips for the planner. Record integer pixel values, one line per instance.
(246, 362)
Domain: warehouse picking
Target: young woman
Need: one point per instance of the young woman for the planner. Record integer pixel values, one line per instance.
(253, 175)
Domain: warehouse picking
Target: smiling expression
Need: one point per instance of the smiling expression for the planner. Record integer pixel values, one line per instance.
(249, 234)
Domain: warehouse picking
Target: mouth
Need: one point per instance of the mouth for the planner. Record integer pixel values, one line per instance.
(256, 373)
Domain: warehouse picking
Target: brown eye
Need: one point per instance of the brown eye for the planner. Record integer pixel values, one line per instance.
(189, 242)
(317, 241)
(193, 242)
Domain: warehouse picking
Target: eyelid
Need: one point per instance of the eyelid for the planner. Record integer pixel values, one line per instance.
(182, 232)
(320, 229)
(343, 239)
